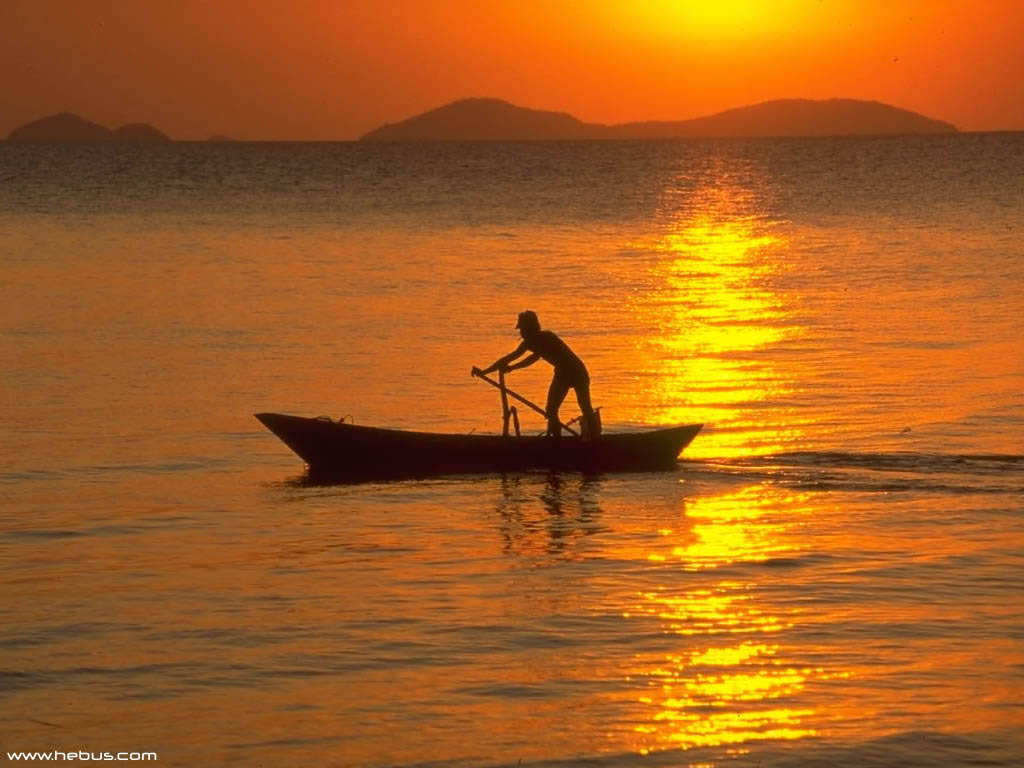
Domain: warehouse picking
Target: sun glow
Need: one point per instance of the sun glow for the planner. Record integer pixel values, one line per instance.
(724, 20)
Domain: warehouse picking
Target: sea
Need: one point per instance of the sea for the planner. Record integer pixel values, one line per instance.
(833, 575)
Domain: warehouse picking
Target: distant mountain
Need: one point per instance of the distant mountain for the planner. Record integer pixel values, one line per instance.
(139, 133)
(66, 127)
(497, 120)
(794, 117)
(485, 120)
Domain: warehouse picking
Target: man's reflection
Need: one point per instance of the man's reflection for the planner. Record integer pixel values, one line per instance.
(548, 517)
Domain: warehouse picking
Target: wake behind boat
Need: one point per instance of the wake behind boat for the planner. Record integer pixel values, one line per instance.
(338, 448)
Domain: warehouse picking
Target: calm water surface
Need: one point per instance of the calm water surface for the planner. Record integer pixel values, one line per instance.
(834, 575)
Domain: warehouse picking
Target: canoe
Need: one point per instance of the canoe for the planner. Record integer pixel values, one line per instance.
(331, 447)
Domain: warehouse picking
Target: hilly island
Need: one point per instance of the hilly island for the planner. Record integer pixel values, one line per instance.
(66, 127)
(489, 119)
(485, 119)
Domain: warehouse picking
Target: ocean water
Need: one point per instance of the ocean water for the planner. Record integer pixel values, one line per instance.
(833, 576)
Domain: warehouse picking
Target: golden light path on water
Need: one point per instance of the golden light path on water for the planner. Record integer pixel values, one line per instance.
(729, 681)
(713, 311)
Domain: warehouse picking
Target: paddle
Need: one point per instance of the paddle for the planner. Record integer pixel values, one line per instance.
(505, 390)
(506, 410)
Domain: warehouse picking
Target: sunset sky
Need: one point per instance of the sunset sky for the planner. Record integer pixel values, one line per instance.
(335, 69)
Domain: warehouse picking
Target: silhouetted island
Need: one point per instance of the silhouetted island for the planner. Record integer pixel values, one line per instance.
(497, 120)
(486, 120)
(66, 127)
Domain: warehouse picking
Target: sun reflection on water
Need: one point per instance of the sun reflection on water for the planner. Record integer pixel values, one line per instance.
(711, 304)
(730, 679)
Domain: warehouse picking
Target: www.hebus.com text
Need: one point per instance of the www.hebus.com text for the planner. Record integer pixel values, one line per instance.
(79, 754)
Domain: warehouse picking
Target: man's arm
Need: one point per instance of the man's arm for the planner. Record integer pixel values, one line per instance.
(525, 362)
(503, 362)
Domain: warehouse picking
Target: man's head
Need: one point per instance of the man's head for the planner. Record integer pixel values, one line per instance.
(528, 323)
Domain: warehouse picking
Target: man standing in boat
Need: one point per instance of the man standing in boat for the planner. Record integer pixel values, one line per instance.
(570, 372)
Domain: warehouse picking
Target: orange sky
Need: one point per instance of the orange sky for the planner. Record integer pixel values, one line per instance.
(334, 69)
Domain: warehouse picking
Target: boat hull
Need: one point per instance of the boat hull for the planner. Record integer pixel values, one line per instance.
(347, 449)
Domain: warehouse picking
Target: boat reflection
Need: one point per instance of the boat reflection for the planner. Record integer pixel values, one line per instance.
(713, 306)
(730, 678)
(569, 510)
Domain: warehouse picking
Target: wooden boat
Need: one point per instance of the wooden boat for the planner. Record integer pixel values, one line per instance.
(348, 450)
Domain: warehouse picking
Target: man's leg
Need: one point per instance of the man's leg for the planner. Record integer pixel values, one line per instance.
(556, 395)
(588, 428)
(583, 398)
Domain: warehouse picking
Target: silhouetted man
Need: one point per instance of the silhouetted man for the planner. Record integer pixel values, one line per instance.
(569, 369)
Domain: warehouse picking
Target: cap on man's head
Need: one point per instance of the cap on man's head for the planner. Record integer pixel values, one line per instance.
(528, 319)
